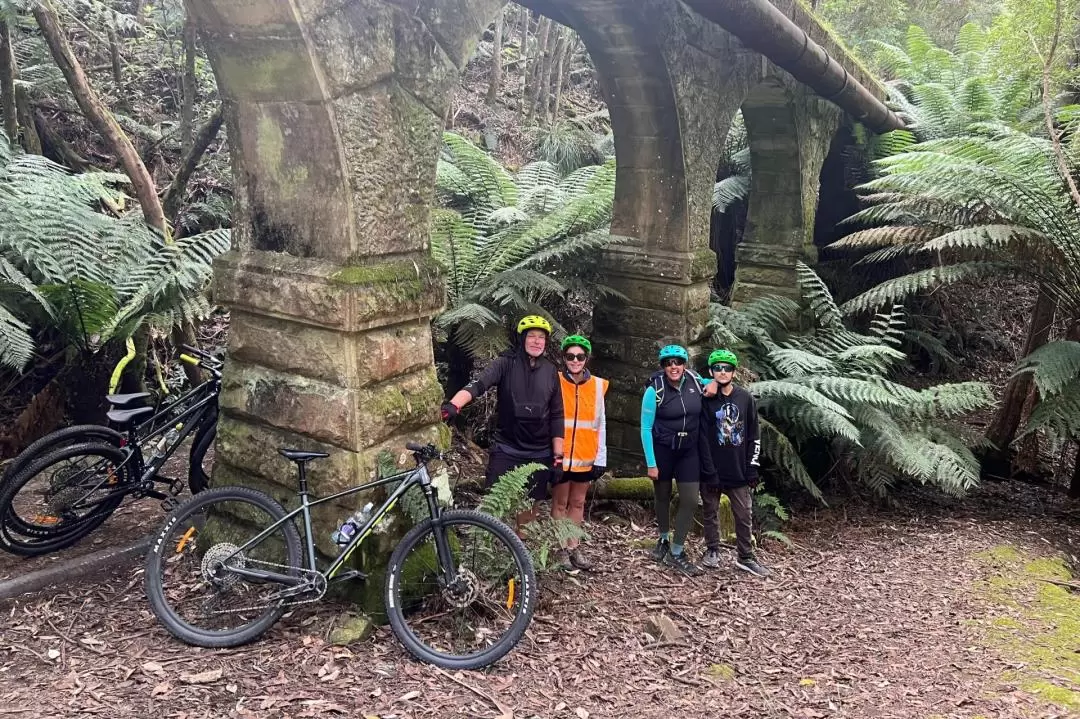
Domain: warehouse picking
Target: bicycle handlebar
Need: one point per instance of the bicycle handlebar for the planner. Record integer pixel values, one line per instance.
(424, 453)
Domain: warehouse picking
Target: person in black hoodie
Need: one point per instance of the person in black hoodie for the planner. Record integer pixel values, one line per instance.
(529, 425)
(730, 466)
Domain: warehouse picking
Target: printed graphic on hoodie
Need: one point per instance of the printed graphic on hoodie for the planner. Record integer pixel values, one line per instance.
(730, 427)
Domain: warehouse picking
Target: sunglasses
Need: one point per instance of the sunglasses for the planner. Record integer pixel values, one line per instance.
(722, 368)
(673, 361)
(575, 356)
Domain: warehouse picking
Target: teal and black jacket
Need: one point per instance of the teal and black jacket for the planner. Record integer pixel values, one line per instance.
(670, 415)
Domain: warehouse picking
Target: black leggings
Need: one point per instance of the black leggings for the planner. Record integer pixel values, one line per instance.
(682, 466)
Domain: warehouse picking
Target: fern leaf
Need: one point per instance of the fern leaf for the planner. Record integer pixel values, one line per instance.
(1054, 366)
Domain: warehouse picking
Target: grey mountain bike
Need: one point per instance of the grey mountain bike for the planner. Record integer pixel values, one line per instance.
(228, 562)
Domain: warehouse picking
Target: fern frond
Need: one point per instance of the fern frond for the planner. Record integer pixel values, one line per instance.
(507, 496)
(1053, 366)
(782, 453)
(16, 344)
(901, 288)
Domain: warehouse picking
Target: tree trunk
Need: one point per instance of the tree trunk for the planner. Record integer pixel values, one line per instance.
(187, 109)
(174, 195)
(1074, 486)
(100, 116)
(543, 97)
(56, 148)
(524, 56)
(495, 83)
(31, 141)
(537, 69)
(114, 56)
(561, 71)
(1003, 429)
(7, 85)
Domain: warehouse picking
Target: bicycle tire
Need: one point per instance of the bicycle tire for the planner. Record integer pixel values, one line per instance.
(26, 540)
(395, 608)
(198, 479)
(76, 434)
(156, 559)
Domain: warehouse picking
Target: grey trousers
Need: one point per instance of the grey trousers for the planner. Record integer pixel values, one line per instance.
(742, 504)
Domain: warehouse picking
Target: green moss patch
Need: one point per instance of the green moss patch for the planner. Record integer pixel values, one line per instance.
(1038, 625)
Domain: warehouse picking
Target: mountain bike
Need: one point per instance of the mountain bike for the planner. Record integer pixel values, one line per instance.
(66, 484)
(228, 562)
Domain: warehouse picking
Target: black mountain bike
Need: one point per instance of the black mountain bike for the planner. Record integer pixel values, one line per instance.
(65, 485)
(460, 587)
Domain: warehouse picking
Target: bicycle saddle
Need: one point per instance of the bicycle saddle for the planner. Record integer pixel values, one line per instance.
(126, 416)
(121, 400)
(299, 455)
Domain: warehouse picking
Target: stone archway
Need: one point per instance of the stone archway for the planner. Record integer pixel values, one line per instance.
(789, 135)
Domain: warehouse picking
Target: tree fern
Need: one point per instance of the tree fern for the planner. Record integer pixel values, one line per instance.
(510, 242)
(828, 387)
(71, 262)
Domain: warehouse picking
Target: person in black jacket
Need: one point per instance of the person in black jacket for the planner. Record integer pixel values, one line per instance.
(730, 466)
(529, 425)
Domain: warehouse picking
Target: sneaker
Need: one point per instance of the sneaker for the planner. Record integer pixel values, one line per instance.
(562, 560)
(711, 560)
(682, 563)
(751, 565)
(579, 560)
(663, 547)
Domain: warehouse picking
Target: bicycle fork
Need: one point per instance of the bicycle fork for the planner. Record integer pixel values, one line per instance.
(438, 530)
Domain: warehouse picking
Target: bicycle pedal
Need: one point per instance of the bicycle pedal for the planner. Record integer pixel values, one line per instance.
(350, 575)
(170, 503)
(176, 486)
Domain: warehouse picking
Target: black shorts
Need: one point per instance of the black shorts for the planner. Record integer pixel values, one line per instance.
(578, 476)
(682, 465)
(499, 463)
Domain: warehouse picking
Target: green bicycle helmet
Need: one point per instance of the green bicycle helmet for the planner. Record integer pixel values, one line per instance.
(726, 356)
(674, 351)
(578, 340)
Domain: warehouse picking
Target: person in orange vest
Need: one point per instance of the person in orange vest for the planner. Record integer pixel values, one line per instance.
(584, 443)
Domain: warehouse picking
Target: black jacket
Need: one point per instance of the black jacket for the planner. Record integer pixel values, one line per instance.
(529, 407)
(730, 432)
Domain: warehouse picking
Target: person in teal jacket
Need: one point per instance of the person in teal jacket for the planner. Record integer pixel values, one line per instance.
(670, 429)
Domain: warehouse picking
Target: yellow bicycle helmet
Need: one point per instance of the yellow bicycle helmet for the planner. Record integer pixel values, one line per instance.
(533, 322)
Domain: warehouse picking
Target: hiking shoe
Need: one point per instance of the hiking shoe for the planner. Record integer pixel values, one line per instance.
(751, 565)
(682, 563)
(579, 560)
(562, 560)
(663, 547)
(711, 560)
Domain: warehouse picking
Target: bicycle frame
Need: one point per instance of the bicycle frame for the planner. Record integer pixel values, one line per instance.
(408, 479)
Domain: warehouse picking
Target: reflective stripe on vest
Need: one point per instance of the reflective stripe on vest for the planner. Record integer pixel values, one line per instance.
(581, 410)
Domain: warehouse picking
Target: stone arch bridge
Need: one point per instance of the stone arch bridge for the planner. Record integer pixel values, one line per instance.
(335, 109)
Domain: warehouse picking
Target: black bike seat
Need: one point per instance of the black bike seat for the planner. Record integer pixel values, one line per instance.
(299, 455)
(120, 400)
(127, 416)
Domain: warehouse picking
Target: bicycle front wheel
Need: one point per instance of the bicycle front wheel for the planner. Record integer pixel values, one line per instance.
(478, 617)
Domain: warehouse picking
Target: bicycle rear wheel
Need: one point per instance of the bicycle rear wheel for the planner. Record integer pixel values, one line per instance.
(67, 436)
(483, 614)
(189, 579)
(60, 498)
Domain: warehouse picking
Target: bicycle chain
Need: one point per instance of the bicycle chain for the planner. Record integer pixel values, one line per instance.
(298, 590)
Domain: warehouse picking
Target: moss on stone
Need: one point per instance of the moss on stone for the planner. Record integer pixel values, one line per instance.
(724, 672)
(1040, 633)
(405, 280)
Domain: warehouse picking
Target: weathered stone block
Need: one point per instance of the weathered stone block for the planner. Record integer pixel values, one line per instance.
(325, 294)
(252, 69)
(289, 165)
(455, 25)
(266, 17)
(287, 401)
(290, 347)
(356, 44)
(399, 406)
(390, 141)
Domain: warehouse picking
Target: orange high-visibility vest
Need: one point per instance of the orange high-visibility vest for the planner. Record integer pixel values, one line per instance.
(583, 410)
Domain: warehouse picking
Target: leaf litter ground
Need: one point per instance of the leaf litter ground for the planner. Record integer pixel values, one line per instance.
(870, 615)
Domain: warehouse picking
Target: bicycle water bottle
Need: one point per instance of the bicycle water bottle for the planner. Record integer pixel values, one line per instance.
(166, 441)
(352, 525)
